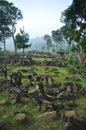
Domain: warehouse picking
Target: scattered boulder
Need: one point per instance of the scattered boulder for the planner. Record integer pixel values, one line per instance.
(83, 106)
(53, 91)
(24, 99)
(49, 115)
(46, 104)
(69, 103)
(64, 95)
(69, 114)
(34, 97)
(78, 123)
(20, 117)
(2, 102)
(75, 123)
(3, 125)
(13, 94)
(67, 126)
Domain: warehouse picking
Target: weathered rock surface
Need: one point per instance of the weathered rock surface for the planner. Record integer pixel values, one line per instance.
(49, 115)
(20, 116)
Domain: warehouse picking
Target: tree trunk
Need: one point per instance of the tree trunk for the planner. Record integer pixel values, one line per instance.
(69, 51)
(56, 47)
(4, 47)
(15, 48)
(23, 51)
(81, 58)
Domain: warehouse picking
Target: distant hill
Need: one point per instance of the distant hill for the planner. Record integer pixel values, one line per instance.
(10, 45)
(37, 44)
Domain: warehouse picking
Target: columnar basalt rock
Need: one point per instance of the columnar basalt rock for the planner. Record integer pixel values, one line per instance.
(38, 78)
(74, 123)
(46, 80)
(4, 70)
(50, 81)
(53, 91)
(16, 78)
(21, 117)
(13, 95)
(3, 125)
(40, 88)
(34, 97)
(30, 79)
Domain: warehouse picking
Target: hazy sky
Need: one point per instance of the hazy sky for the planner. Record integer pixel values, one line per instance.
(40, 17)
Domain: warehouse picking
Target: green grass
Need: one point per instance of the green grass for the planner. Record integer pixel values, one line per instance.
(60, 75)
(42, 59)
(81, 99)
(3, 96)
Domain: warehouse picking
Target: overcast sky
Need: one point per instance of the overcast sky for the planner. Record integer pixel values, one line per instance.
(40, 17)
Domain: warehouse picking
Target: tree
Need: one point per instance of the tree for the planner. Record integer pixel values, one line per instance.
(4, 28)
(57, 37)
(13, 14)
(74, 18)
(21, 39)
(47, 38)
(3, 36)
(68, 36)
(43, 48)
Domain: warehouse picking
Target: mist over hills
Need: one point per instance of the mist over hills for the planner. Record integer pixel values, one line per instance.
(37, 44)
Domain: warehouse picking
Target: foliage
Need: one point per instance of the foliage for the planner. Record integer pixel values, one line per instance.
(56, 35)
(4, 26)
(21, 39)
(10, 15)
(58, 38)
(74, 18)
(47, 38)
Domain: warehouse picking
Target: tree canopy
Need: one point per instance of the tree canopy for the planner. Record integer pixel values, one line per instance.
(48, 40)
(9, 15)
(74, 29)
(21, 40)
(58, 38)
(74, 18)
